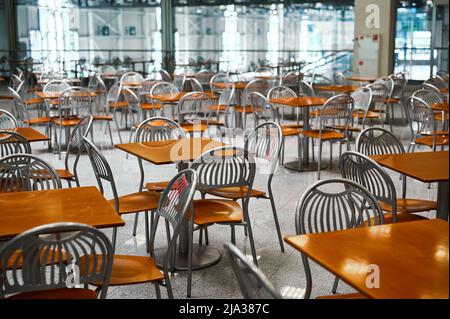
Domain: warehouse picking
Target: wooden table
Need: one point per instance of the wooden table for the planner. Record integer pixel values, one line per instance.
(55, 95)
(412, 257)
(302, 102)
(427, 167)
(181, 152)
(21, 211)
(336, 88)
(440, 106)
(31, 134)
(361, 79)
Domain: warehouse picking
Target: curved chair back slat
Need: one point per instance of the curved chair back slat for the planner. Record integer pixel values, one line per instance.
(13, 143)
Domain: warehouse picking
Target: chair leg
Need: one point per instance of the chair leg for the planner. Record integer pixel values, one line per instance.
(277, 224)
(114, 238)
(335, 285)
(206, 236)
(117, 127)
(233, 235)
(252, 243)
(110, 133)
(320, 159)
(136, 217)
(147, 233)
(189, 279)
(157, 291)
(331, 155)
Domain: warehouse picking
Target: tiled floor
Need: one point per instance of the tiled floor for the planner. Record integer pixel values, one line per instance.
(283, 269)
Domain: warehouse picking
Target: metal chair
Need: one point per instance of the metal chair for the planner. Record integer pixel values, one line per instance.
(131, 77)
(365, 171)
(252, 282)
(179, 81)
(433, 97)
(340, 79)
(220, 168)
(194, 113)
(7, 120)
(165, 76)
(128, 204)
(333, 124)
(426, 132)
(13, 143)
(398, 93)
(164, 89)
(147, 105)
(224, 105)
(278, 92)
(26, 172)
(434, 89)
(50, 261)
(306, 89)
(221, 78)
(292, 80)
(196, 86)
(261, 86)
(333, 205)
(380, 93)
(172, 207)
(82, 129)
(362, 102)
(437, 81)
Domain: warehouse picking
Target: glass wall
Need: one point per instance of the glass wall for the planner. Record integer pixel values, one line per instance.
(414, 40)
(241, 37)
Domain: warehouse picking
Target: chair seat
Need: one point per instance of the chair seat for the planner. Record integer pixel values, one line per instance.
(235, 192)
(6, 97)
(392, 100)
(36, 100)
(38, 120)
(290, 131)
(64, 293)
(193, 127)
(137, 202)
(151, 106)
(210, 211)
(120, 104)
(438, 117)
(431, 133)
(326, 134)
(343, 296)
(64, 174)
(369, 115)
(129, 270)
(344, 127)
(67, 122)
(428, 140)
(409, 205)
(156, 186)
(102, 118)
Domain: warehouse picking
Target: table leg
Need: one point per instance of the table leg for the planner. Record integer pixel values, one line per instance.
(305, 165)
(202, 256)
(442, 200)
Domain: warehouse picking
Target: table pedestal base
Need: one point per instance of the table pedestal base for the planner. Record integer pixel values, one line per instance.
(308, 167)
(202, 257)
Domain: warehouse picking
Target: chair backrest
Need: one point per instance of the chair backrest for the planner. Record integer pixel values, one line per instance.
(13, 143)
(179, 81)
(26, 172)
(20, 111)
(433, 88)
(134, 77)
(388, 82)
(258, 85)
(204, 76)
(291, 80)
(56, 86)
(337, 109)
(114, 94)
(109, 69)
(173, 205)
(443, 74)
(7, 120)
(262, 108)
(196, 85)
(165, 76)
(306, 89)
(437, 82)
(225, 166)
(194, 106)
(164, 88)
(219, 78)
(379, 95)
(147, 85)
(265, 141)
(55, 256)
(419, 111)
(321, 79)
(400, 82)
(102, 170)
(336, 204)
(227, 95)
(362, 100)
(281, 92)
(133, 101)
(428, 96)
(377, 141)
(365, 171)
(252, 282)
(159, 129)
(75, 100)
(339, 78)
(15, 81)
(82, 129)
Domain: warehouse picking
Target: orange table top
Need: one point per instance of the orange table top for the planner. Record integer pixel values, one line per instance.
(168, 98)
(31, 134)
(412, 257)
(131, 83)
(21, 211)
(336, 88)
(440, 106)
(55, 95)
(303, 101)
(445, 91)
(427, 167)
(171, 151)
(361, 79)
(237, 85)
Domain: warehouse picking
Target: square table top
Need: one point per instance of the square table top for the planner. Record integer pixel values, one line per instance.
(427, 167)
(31, 134)
(20, 211)
(303, 101)
(336, 88)
(412, 257)
(237, 85)
(361, 79)
(170, 151)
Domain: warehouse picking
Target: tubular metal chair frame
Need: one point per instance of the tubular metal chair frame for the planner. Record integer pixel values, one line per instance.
(338, 201)
(13, 143)
(42, 249)
(7, 117)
